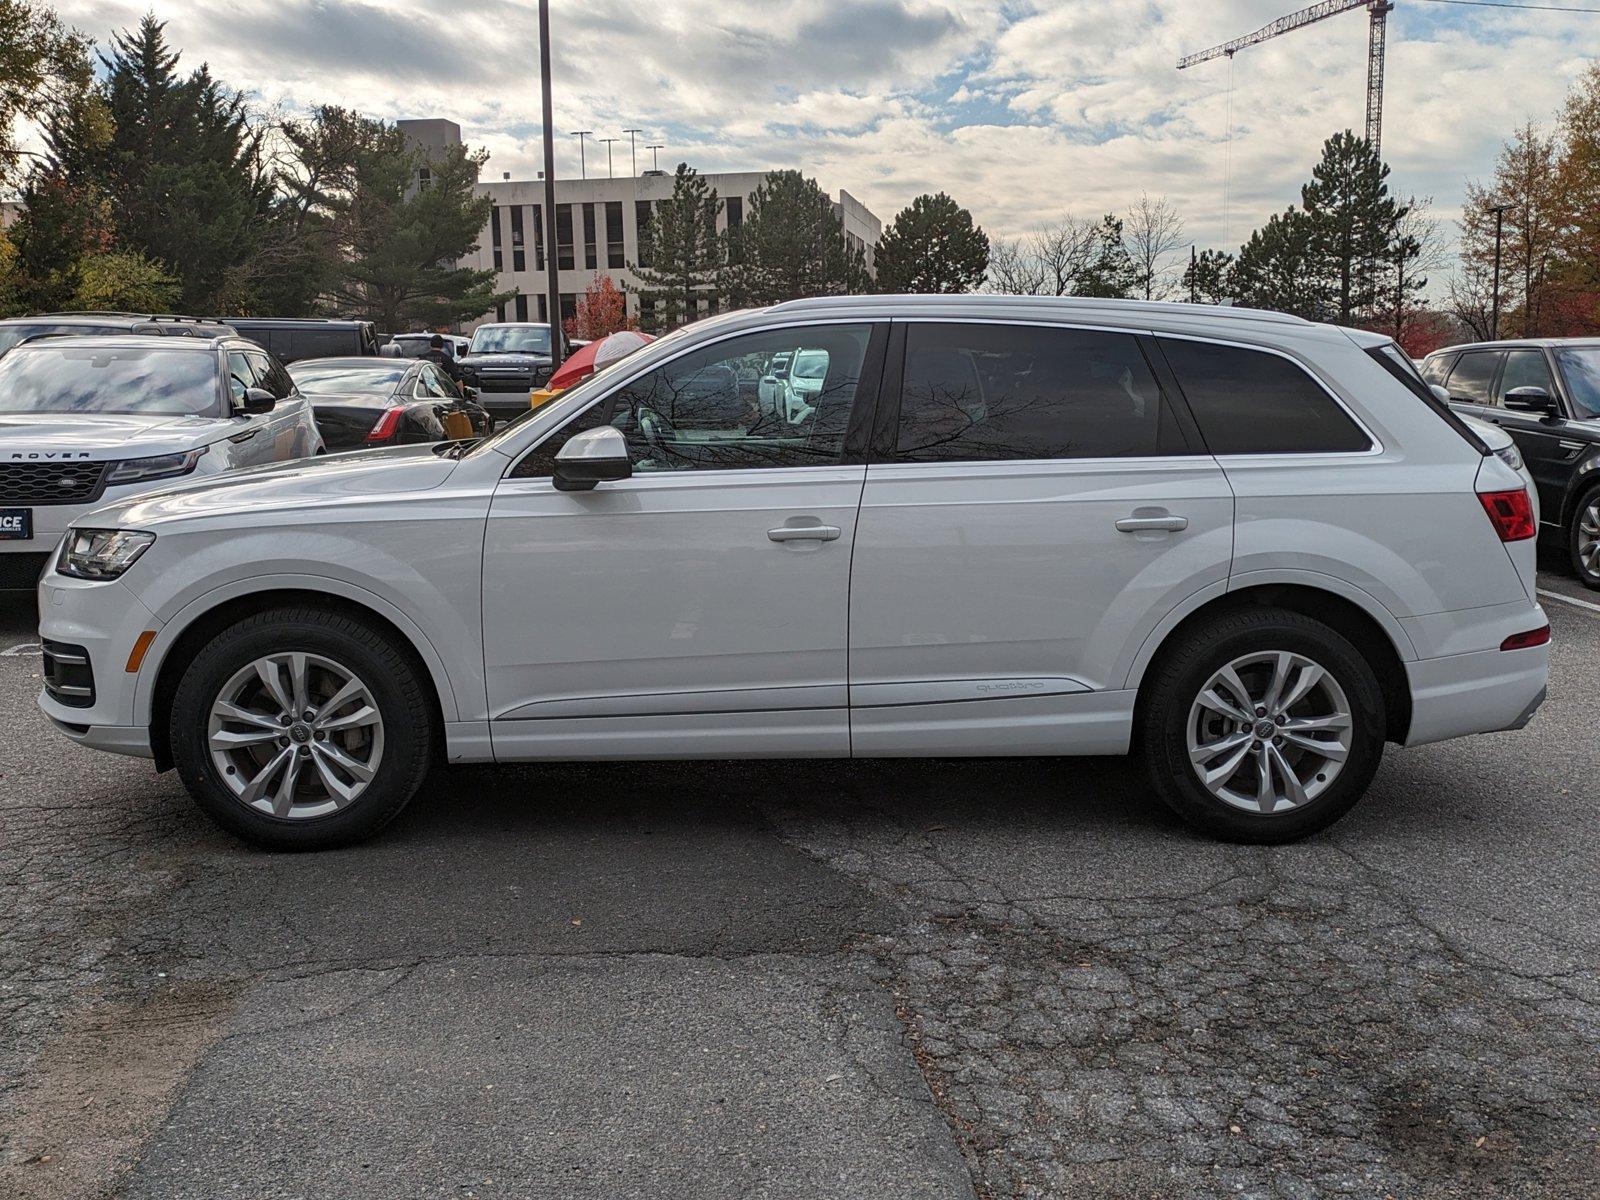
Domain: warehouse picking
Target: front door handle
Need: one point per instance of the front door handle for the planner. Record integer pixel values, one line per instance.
(1167, 524)
(804, 533)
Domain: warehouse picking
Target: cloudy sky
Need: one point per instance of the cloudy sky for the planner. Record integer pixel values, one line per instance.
(1021, 109)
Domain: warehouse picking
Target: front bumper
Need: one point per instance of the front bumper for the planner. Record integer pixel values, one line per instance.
(104, 619)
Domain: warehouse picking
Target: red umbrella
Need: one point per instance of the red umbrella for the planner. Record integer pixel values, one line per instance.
(597, 355)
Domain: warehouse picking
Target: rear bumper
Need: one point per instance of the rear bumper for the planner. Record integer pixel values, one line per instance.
(1483, 692)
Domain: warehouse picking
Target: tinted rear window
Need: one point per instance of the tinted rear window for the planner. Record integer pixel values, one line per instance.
(981, 393)
(1252, 402)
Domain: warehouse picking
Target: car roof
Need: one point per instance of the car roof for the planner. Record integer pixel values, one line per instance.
(353, 360)
(142, 341)
(1550, 343)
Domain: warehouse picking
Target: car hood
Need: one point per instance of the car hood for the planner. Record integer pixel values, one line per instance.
(79, 437)
(284, 487)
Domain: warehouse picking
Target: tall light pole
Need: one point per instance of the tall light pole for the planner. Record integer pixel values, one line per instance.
(606, 142)
(653, 147)
(583, 162)
(552, 275)
(1499, 211)
(633, 150)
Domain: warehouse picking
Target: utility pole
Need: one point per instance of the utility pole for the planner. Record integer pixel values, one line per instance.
(1194, 274)
(653, 147)
(583, 162)
(606, 142)
(1499, 211)
(633, 150)
(552, 274)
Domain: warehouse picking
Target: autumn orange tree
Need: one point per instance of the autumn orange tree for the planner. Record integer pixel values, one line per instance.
(602, 311)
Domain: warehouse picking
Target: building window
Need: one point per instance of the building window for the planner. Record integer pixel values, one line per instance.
(564, 237)
(500, 310)
(538, 236)
(424, 178)
(522, 307)
(641, 231)
(569, 306)
(544, 308)
(519, 260)
(494, 236)
(590, 258)
(735, 211)
(614, 254)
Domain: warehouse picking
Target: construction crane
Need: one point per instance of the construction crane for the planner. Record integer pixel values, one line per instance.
(1378, 18)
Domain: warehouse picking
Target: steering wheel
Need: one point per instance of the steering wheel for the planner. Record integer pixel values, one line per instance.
(655, 429)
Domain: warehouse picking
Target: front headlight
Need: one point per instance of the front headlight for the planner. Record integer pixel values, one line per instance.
(162, 466)
(101, 553)
(1511, 456)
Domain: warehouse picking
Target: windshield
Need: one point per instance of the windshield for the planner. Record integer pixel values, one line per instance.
(321, 378)
(67, 378)
(811, 364)
(1580, 366)
(511, 339)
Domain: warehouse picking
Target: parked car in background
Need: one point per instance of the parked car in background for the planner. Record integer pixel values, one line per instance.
(15, 330)
(1546, 394)
(1253, 548)
(415, 345)
(86, 421)
(507, 361)
(294, 338)
(362, 402)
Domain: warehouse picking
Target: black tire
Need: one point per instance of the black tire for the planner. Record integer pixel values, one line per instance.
(1589, 577)
(391, 677)
(1175, 681)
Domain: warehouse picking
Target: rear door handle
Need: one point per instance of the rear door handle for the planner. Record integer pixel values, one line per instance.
(1168, 524)
(804, 533)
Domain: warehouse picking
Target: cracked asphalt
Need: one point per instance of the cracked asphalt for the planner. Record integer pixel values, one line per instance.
(879, 979)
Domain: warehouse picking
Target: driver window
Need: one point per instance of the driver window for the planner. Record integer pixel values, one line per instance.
(1526, 368)
(241, 377)
(780, 398)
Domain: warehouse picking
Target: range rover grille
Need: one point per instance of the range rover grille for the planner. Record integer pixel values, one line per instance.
(51, 482)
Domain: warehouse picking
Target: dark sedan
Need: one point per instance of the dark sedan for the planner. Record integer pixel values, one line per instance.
(362, 402)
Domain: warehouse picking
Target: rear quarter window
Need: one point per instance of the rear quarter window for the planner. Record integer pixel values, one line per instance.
(1254, 402)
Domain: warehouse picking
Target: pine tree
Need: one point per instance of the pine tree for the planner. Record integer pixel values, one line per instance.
(1351, 221)
(1206, 278)
(183, 169)
(792, 244)
(931, 246)
(1281, 267)
(1111, 272)
(681, 254)
(40, 59)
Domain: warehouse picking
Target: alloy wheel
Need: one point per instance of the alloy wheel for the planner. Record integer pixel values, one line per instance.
(295, 735)
(1588, 540)
(1269, 732)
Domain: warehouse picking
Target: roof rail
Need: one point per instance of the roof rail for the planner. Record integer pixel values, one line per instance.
(1069, 303)
(137, 316)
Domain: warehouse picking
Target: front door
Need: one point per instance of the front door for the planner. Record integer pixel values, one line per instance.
(1041, 507)
(700, 607)
(1549, 451)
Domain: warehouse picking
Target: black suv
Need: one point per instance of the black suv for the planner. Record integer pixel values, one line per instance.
(1544, 392)
(16, 330)
(294, 338)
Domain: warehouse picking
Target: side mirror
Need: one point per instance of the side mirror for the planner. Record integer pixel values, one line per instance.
(1441, 394)
(257, 400)
(591, 457)
(1530, 400)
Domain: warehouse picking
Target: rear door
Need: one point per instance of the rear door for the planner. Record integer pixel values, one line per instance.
(1035, 505)
(1471, 384)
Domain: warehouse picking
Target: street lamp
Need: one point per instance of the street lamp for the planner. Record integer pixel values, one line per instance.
(633, 150)
(606, 142)
(653, 147)
(1499, 211)
(583, 164)
(552, 275)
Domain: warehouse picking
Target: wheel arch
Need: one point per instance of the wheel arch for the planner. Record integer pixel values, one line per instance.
(1385, 648)
(189, 633)
(1585, 478)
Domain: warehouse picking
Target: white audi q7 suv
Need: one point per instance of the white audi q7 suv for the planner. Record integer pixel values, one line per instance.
(1248, 548)
(90, 419)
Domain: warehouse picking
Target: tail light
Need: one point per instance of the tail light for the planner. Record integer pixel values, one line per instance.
(1528, 640)
(1511, 513)
(386, 426)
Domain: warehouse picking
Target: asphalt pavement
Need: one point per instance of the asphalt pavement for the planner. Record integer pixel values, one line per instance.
(810, 980)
